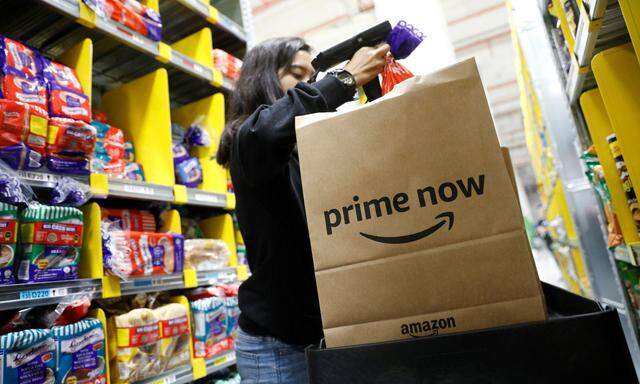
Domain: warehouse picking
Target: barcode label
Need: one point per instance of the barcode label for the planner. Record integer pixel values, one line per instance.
(208, 198)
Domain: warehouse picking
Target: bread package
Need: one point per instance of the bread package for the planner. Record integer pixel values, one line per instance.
(138, 348)
(174, 333)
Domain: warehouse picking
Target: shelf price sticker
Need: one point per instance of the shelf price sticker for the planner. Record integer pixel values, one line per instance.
(138, 189)
(209, 198)
(166, 380)
(224, 359)
(38, 294)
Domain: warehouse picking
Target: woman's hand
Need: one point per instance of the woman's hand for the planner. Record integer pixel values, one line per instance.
(367, 63)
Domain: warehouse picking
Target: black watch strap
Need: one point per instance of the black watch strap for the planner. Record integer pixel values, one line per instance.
(345, 77)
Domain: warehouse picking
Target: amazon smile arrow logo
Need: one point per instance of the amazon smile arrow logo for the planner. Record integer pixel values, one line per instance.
(414, 236)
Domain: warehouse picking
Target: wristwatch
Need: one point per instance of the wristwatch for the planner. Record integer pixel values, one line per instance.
(345, 78)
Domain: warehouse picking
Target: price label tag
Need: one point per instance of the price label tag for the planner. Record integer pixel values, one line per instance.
(166, 380)
(143, 283)
(37, 176)
(208, 198)
(229, 357)
(36, 294)
(139, 189)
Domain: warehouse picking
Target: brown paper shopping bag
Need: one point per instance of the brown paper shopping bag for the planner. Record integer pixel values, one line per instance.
(415, 226)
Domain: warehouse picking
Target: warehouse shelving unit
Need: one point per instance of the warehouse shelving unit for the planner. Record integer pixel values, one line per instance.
(557, 84)
(172, 80)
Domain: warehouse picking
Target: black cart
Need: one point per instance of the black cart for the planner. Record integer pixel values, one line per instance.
(582, 342)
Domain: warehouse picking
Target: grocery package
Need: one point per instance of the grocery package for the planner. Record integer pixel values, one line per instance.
(630, 275)
(69, 192)
(23, 134)
(51, 239)
(209, 324)
(12, 189)
(233, 313)
(129, 219)
(130, 13)
(60, 75)
(188, 170)
(403, 40)
(108, 156)
(627, 185)
(453, 229)
(174, 333)
(206, 254)
(228, 64)
(28, 357)
(67, 102)
(70, 146)
(19, 87)
(8, 239)
(133, 253)
(80, 352)
(17, 56)
(138, 350)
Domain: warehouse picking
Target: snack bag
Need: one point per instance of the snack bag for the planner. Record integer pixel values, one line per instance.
(174, 333)
(110, 141)
(80, 353)
(51, 240)
(129, 219)
(60, 75)
(131, 253)
(129, 154)
(8, 239)
(138, 347)
(66, 102)
(28, 357)
(17, 56)
(233, 313)
(209, 324)
(19, 87)
(112, 168)
(188, 172)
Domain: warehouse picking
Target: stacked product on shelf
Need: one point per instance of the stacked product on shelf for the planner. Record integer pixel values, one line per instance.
(226, 63)
(8, 240)
(151, 334)
(215, 319)
(188, 170)
(114, 156)
(132, 247)
(44, 113)
(131, 14)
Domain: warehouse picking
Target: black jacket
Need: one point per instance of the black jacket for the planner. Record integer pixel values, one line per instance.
(280, 297)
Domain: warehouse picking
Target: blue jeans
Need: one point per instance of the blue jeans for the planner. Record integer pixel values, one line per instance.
(267, 360)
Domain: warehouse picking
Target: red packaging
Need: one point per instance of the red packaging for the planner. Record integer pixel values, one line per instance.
(174, 327)
(70, 137)
(20, 57)
(133, 20)
(100, 116)
(130, 219)
(65, 102)
(22, 123)
(393, 73)
(17, 87)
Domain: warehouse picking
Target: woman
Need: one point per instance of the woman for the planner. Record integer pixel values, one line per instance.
(279, 302)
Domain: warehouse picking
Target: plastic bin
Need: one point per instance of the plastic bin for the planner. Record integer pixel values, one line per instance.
(581, 342)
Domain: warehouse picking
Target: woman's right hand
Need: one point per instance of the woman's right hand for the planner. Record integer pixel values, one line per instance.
(367, 63)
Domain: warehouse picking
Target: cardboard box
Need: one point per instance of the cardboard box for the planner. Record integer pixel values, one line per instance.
(415, 225)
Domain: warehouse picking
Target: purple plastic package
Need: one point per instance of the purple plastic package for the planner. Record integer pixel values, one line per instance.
(12, 190)
(19, 57)
(197, 136)
(152, 21)
(20, 156)
(59, 74)
(189, 172)
(180, 153)
(69, 192)
(70, 167)
(404, 39)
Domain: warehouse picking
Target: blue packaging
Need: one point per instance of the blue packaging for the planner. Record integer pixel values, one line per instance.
(210, 325)
(233, 313)
(189, 172)
(80, 354)
(28, 357)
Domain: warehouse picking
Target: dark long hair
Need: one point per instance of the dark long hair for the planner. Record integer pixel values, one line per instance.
(258, 85)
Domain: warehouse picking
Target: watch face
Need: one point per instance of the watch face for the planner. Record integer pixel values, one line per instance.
(346, 78)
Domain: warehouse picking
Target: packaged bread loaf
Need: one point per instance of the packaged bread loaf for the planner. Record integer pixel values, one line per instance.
(206, 254)
(138, 348)
(174, 333)
(80, 353)
(28, 357)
